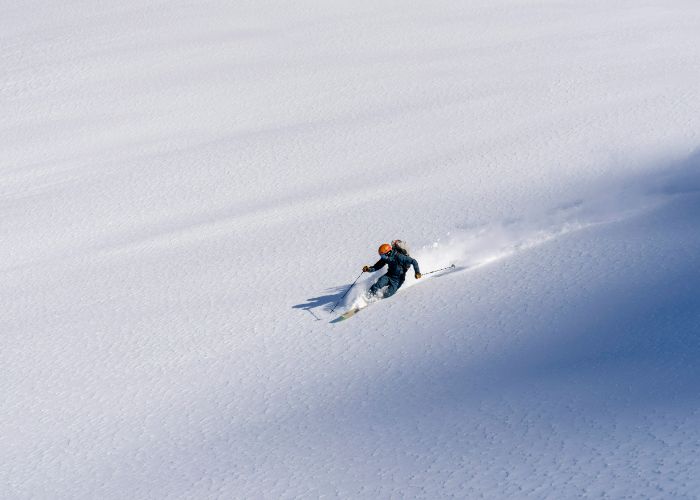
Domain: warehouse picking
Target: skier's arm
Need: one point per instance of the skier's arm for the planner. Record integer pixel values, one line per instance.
(380, 263)
(414, 263)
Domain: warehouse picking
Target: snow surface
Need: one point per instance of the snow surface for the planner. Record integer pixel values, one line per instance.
(186, 189)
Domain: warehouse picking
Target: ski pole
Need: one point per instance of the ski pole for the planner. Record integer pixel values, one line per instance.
(438, 270)
(346, 292)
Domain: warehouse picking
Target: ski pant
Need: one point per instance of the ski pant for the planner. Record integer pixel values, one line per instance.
(392, 283)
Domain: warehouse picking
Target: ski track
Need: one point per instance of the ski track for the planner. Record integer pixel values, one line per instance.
(471, 248)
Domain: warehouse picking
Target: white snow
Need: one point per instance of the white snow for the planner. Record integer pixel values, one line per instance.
(186, 189)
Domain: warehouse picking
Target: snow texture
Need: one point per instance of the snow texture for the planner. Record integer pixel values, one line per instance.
(187, 188)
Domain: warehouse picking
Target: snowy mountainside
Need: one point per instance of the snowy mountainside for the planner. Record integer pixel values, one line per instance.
(187, 189)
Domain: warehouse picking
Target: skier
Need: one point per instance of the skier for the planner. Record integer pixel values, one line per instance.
(398, 261)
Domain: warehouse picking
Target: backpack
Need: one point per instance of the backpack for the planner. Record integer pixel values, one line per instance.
(400, 246)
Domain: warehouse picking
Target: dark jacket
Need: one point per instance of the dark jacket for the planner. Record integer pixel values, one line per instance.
(398, 265)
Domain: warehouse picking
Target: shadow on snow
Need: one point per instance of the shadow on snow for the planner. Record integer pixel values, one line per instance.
(323, 302)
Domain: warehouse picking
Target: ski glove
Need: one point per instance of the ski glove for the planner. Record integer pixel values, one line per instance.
(366, 269)
(418, 276)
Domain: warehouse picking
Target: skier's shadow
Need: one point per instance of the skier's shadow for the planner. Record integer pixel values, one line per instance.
(325, 302)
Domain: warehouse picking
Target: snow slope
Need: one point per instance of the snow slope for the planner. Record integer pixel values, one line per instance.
(187, 189)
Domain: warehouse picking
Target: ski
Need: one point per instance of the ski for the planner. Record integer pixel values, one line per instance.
(349, 313)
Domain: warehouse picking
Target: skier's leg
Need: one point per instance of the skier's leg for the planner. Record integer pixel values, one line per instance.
(381, 283)
(394, 285)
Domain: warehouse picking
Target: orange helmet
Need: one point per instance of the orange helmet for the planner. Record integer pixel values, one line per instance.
(384, 248)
